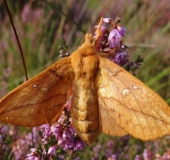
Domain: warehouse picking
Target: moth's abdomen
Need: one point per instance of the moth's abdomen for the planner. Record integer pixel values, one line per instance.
(85, 114)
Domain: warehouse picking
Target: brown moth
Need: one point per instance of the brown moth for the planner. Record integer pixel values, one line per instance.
(106, 98)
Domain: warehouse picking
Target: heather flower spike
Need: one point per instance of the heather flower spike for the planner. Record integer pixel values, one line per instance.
(109, 43)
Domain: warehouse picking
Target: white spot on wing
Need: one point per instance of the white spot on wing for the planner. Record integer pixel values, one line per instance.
(135, 87)
(34, 85)
(125, 92)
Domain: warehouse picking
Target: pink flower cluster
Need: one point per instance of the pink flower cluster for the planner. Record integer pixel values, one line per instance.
(111, 41)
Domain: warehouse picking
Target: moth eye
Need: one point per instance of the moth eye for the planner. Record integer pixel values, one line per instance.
(135, 87)
(125, 92)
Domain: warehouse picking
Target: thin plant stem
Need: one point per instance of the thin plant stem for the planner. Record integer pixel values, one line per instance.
(18, 42)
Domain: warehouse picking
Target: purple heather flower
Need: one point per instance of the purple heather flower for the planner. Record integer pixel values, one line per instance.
(110, 144)
(102, 39)
(32, 155)
(79, 145)
(96, 151)
(60, 142)
(114, 38)
(66, 139)
(107, 20)
(56, 130)
(1, 139)
(45, 129)
(148, 155)
(66, 134)
(52, 150)
(120, 58)
(165, 156)
(71, 130)
(112, 157)
(109, 148)
(103, 30)
(34, 158)
(3, 130)
(138, 157)
(69, 144)
(121, 30)
(108, 152)
(61, 157)
(97, 148)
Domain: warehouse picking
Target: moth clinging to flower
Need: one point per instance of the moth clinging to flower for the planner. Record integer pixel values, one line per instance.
(105, 97)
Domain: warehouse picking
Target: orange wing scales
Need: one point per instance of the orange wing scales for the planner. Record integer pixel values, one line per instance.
(41, 99)
(134, 107)
(106, 99)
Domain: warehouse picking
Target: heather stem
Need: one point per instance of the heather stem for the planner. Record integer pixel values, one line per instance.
(18, 42)
(70, 157)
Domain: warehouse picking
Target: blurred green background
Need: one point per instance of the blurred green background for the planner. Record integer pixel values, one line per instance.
(41, 25)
